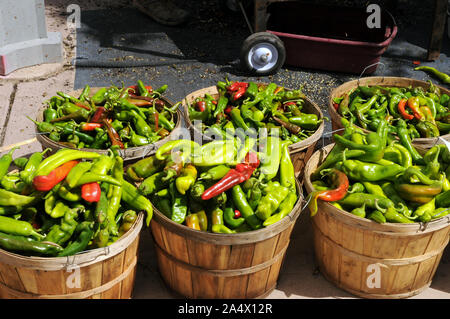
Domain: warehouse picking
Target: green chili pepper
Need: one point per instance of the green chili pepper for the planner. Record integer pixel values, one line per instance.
(374, 150)
(403, 134)
(8, 198)
(18, 227)
(127, 106)
(440, 75)
(153, 183)
(179, 205)
(272, 156)
(360, 211)
(28, 172)
(306, 121)
(61, 157)
(356, 188)
(241, 203)
(68, 195)
(50, 114)
(134, 199)
(369, 172)
(230, 220)
(91, 177)
(393, 104)
(115, 196)
(76, 172)
(276, 193)
(238, 120)
(128, 219)
(377, 216)
(221, 229)
(358, 199)
(286, 207)
(287, 171)
(84, 232)
(61, 233)
(20, 243)
(215, 173)
(5, 162)
(440, 212)
(144, 168)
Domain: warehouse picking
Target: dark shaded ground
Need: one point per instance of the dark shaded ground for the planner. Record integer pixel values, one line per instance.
(124, 45)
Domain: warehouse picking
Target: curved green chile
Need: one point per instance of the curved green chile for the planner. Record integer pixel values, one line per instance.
(275, 194)
(230, 220)
(369, 172)
(24, 244)
(85, 232)
(358, 199)
(241, 203)
(179, 204)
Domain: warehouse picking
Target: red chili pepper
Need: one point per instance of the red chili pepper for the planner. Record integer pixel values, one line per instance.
(91, 192)
(235, 176)
(336, 106)
(140, 102)
(416, 62)
(237, 213)
(98, 115)
(239, 93)
(401, 109)
(47, 182)
(228, 109)
(413, 104)
(113, 135)
(84, 106)
(135, 91)
(200, 105)
(340, 184)
(89, 126)
(252, 159)
(214, 102)
(157, 120)
(236, 85)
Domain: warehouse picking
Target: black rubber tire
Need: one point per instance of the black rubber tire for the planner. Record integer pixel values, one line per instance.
(257, 38)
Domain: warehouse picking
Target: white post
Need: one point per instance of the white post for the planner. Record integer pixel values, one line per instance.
(24, 40)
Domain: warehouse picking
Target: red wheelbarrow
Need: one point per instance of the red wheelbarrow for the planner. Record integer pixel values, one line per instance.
(337, 39)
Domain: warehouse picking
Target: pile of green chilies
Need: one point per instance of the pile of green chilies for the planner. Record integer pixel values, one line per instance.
(426, 112)
(251, 106)
(232, 189)
(373, 175)
(127, 117)
(66, 203)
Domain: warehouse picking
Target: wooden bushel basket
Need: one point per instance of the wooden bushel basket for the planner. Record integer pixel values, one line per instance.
(381, 81)
(300, 151)
(102, 273)
(131, 153)
(197, 264)
(374, 260)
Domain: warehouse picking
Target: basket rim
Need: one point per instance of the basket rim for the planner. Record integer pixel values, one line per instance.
(293, 148)
(227, 239)
(370, 79)
(348, 218)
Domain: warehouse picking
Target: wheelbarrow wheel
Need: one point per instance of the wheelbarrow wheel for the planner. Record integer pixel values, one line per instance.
(262, 53)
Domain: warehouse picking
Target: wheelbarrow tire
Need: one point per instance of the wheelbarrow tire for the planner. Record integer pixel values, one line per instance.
(262, 53)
